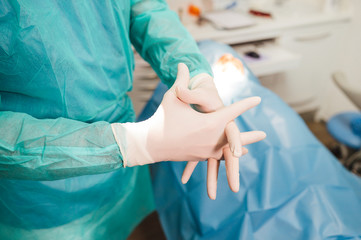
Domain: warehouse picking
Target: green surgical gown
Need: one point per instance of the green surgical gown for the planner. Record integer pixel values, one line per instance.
(65, 70)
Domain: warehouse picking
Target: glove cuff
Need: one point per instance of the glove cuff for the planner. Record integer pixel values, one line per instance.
(132, 142)
(198, 79)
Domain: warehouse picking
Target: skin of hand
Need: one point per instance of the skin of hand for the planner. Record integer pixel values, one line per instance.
(177, 132)
(204, 97)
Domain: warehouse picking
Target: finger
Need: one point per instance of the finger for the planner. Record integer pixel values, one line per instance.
(251, 137)
(188, 170)
(232, 169)
(234, 139)
(229, 113)
(244, 151)
(212, 176)
(182, 76)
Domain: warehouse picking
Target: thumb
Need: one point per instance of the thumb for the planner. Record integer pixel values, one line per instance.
(231, 112)
(191, 96)
(182, 76)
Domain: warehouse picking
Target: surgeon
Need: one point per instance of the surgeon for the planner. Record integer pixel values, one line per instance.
(66, 121)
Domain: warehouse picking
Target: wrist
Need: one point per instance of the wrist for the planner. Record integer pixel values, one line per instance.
(132, 141)
(200, 79)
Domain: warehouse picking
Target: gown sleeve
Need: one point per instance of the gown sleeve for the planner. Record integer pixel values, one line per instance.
(161, 39)
(50, 149)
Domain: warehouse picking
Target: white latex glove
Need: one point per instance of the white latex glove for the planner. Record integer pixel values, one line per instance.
(204, 95)
(176, 132)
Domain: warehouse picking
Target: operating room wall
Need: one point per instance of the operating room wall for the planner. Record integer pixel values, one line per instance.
(349, 62)
(353, 62)
(352, 58)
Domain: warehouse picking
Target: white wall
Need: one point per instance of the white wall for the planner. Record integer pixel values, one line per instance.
(349, 62)
(352, 58)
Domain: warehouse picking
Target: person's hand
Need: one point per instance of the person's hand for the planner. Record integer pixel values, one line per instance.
(204, 97)
(177, 132)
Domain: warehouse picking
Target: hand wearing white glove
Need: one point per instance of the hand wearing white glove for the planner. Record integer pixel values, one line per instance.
(204, 97)
(176, 132)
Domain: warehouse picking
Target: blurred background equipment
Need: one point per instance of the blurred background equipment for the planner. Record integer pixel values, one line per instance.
(346, 127)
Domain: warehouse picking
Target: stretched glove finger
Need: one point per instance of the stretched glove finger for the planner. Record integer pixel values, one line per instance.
(251, 137)
(212, 176)
(229, 113)
(244, 151)
(234, 139)
(232, 169)
(188, 170)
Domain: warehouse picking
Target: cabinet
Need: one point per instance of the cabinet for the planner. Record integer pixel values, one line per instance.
(315, 38)
(303, 88)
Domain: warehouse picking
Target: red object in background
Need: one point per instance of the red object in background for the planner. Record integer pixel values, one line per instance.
(230, 59)
(260, 13)
(194, 10)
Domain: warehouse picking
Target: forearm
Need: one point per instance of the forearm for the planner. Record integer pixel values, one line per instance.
(50, 149)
